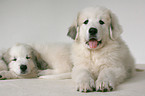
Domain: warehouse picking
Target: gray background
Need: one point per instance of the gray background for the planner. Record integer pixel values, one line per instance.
(48, 21)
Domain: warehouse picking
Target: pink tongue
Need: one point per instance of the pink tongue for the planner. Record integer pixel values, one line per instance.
(93, 43)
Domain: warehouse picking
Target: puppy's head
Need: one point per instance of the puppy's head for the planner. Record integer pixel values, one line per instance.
(22, 59)
(94, 27)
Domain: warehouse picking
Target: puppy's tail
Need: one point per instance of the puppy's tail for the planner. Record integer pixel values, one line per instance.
(57, 76)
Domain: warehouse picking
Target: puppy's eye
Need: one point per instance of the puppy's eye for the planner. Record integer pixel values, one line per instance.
(86, 22)
(28, 57)
(101, 22)
(14, 59)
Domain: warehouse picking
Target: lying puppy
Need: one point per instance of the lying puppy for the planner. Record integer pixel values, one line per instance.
(101, 58)
(23, 62)
(29, 61)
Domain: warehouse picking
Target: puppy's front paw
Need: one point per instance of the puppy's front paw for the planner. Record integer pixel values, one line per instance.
(104, 86)
(85, 84)
(41, 72)
(2, 75)
(45, 72)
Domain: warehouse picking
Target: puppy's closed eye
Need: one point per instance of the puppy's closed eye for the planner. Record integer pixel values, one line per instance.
(15, 59)
(27, 57)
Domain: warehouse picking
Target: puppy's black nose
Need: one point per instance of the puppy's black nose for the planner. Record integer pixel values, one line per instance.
(23, 67)
(93, 31)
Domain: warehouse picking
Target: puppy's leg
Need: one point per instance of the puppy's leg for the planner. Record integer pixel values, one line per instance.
(46, 72)
(83, 79)
(7, 75)
(57, 76)
(109, 78)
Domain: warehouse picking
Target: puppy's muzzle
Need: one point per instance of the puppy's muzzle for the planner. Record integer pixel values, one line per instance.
(23, 68)
(92, 41)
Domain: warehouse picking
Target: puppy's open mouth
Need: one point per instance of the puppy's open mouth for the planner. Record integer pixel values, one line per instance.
(93, 43)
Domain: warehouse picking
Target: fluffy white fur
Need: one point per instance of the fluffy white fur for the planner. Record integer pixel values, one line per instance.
(106, 65)
(57, 56)
(40, 60)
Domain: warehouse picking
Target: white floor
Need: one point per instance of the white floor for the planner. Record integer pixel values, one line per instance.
(42, 87)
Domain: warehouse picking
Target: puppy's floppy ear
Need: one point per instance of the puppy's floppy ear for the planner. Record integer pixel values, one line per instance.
(3, 65)
(115, 27)
(6, 57)
(40, 63)
(73, 30)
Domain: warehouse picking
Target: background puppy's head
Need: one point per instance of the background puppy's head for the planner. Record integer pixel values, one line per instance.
(94, 27)
(22, 59)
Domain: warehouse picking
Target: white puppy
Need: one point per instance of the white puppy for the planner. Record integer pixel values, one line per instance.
(24, 61)
(101, 58)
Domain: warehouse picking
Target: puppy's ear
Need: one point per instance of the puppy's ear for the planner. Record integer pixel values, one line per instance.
(115, 27)
(40, 63)
(3, 65)
(6, 57)
(73, 31)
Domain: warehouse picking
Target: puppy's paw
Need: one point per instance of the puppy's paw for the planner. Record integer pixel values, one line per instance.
(45, 72)
(41, 72)
(85, 85)
(104, 86)
(2, 75)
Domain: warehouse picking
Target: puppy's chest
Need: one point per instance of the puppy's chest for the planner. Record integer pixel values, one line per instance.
(95, 63)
